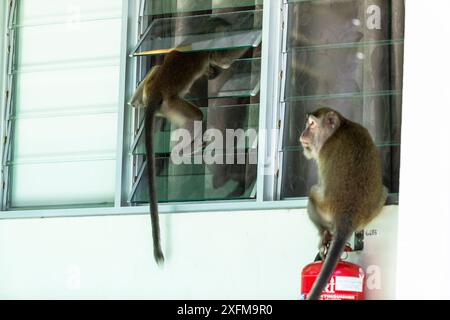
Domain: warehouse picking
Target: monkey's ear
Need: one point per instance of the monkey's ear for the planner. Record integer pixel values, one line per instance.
(332, 120)
(312, 121)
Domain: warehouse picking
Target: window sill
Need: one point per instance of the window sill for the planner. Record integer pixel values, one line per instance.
(164, 208)
(167, 208)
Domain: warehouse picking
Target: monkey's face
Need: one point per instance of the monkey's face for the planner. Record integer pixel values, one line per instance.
(316, 133)
(307, 138)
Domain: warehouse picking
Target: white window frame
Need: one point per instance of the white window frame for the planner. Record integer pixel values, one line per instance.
(269, 161)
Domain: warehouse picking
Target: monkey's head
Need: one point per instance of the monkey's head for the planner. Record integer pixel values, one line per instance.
(320, 125)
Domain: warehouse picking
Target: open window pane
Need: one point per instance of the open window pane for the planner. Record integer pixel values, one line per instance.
(157, 7)
(228, 101)
(202, 32)
(193, 181)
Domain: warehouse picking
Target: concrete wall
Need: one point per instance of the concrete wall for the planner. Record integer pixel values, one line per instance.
(235, 255)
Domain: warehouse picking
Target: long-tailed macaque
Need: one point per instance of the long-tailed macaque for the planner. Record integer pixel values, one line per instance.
(349, 193)
(162, 93)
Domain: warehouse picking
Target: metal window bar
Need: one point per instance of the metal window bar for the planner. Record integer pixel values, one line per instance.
(269, 101)
(122, 129)
(8, 111)
(282, 103)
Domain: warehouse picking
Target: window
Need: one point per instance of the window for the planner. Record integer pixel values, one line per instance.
(230, 101)
(64, 89)
(72, 140)
(346, 55)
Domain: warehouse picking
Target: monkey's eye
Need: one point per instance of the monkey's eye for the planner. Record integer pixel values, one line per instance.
(311, 123)
(307, 117)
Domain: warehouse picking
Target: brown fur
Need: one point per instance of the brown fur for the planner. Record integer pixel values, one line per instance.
(350, 191)
(162, 93)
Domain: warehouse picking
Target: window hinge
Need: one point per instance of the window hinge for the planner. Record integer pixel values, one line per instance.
(277, 173)
(278, 124)
(281, 74)
(7, 94)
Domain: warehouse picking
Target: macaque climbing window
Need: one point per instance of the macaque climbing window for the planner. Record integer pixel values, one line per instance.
(347, 55)
(228, 99)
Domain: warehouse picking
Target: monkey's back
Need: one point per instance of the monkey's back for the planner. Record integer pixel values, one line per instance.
(179, 70)
(351, 171)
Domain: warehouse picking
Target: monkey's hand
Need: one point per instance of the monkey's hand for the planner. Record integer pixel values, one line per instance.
(323, 252)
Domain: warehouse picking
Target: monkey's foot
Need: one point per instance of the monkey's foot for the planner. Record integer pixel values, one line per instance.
(324, 243)
(323, 250)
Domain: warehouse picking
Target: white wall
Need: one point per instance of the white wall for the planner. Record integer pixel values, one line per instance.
(260, 254)
(237, 255)
(424, 219)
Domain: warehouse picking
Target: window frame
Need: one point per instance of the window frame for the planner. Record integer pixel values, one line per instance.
(271, 116)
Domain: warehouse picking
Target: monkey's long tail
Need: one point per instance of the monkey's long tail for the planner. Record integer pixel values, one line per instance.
(149, 134)
(334, 254)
